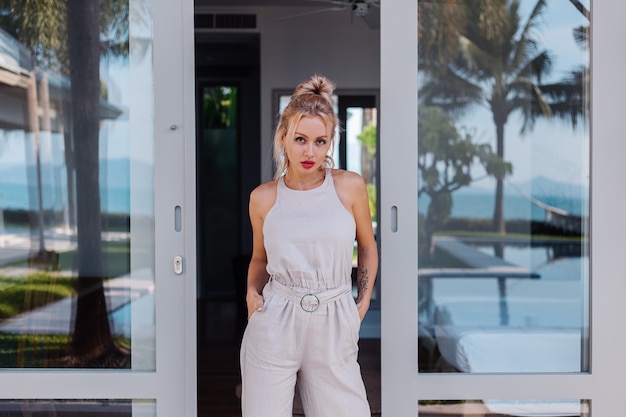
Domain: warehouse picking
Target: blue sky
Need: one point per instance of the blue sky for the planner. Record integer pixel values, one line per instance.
(553, 149)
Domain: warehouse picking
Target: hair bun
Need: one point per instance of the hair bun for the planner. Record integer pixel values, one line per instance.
(318, 85)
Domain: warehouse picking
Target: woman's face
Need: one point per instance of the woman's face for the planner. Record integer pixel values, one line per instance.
(308, 148)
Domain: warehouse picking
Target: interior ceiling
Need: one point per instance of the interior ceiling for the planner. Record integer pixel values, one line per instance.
(371, 17)
(275, 3)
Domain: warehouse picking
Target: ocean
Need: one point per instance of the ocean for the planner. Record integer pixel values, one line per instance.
(18, 189)
(113, 199)
(465, 205)
(481, 206)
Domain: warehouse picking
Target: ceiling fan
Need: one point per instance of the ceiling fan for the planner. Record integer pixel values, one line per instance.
(368, 10)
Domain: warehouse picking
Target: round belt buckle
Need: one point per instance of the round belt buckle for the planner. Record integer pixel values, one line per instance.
(309, 302)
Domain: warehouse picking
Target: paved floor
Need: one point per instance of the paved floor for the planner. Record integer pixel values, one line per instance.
(18, 244)
(57, 317)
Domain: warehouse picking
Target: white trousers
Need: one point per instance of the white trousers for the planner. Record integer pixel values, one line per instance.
(285, 343)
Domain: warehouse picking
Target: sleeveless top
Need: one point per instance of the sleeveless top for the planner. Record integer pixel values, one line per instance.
(309, 237)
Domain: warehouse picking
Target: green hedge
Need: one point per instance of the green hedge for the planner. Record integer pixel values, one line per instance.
(36, 290)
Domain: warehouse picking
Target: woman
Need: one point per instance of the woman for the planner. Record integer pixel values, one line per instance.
(303, 323)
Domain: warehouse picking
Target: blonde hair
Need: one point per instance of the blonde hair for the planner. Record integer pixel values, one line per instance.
(312, 97)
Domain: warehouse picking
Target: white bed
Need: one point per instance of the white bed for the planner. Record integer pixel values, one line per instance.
(543, 328)
(544, 334)
(504, 349)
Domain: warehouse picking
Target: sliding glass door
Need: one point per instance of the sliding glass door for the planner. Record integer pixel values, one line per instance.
(497, 216)
(94, 214)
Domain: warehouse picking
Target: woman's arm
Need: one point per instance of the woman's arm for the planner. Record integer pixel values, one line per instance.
(354, 190)
(367, 252)
(260, 202)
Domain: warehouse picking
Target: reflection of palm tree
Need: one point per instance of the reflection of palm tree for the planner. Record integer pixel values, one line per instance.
(92, 335)
(445, 160)
(498, 65)
(92, 339)
(80, 22)
(569, 97)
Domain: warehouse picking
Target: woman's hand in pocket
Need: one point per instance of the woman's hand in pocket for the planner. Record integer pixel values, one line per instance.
(254, 301)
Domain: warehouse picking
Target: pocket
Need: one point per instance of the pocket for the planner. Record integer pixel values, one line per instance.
(254, 313)
(265, 293)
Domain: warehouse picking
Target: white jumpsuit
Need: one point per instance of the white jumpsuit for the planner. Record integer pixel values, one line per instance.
(309, 328)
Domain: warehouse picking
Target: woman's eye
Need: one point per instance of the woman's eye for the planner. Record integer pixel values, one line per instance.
(321, 141)
(299, 139)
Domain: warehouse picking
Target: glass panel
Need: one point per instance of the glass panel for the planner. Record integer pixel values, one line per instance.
(504, 408)
(361, 137)
(503, 160)
(218, 200)
(361, 149)
(78, 408)
(76, 192)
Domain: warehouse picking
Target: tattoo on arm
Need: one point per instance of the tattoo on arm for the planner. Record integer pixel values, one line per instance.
(361, 282)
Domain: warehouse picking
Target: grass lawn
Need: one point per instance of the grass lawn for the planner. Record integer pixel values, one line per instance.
(29, 351)
(22, 293)
(38, 289)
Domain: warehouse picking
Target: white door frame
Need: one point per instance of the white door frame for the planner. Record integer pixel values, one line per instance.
(173, 384)
(175, 186)
(402, 386)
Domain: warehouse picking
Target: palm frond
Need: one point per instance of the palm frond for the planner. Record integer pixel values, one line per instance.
(452, 93)
(581, 36)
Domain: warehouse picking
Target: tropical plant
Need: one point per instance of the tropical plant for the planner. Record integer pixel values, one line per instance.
(445, 161)
(569, 98)
(368, 139)
(494, 61)
(439, 24)
(220, 107)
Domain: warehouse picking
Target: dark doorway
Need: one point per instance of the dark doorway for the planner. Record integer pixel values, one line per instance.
(228, 161)
(227, 169)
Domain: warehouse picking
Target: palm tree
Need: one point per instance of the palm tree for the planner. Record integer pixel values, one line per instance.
(569, 98)
(92, 334)
(498, 65)
(438, 29)
(445, 160)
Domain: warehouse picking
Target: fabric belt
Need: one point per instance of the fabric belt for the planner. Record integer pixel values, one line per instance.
(310, 300)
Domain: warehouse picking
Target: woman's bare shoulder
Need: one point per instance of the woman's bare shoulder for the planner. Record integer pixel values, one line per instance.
(350, 187)
(262, 198)
(347, 179)
(265, 188)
